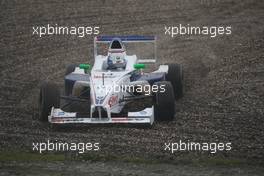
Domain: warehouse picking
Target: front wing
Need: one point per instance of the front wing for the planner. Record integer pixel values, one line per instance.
(59, 116)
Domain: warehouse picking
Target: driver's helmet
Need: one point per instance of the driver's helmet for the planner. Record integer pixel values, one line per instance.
(116, 61)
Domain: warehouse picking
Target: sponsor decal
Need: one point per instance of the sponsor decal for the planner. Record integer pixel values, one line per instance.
(100, 97)
(143, 112)
(113, 100)
(139, 119)
(61, 113)
(105, 76)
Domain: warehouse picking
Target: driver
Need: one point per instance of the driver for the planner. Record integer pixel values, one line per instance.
(116, 61)
(116, 55)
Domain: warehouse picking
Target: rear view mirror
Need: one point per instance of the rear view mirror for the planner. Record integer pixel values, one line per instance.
(139, 66)
(85, 66)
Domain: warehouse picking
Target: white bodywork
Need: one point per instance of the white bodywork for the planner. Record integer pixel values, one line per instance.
(104, 98)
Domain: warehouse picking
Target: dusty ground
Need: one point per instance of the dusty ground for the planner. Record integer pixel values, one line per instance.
(224, 75)
(110, 168)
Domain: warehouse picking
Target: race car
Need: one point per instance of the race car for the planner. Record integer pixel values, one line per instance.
(115, 80)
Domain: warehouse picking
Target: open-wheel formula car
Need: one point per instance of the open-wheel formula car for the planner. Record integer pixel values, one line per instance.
(115, 79)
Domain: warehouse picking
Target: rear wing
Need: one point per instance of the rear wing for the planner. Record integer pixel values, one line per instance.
(128, 39)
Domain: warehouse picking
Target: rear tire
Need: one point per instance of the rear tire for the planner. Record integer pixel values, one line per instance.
(70, 68)
(164, 107)
(49, 97)
(175, 76)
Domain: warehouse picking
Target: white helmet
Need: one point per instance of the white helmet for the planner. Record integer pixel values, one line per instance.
(116, 60)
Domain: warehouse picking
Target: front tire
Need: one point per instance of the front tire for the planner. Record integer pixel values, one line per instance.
(164, 107)
(175, 76)
(49, 97)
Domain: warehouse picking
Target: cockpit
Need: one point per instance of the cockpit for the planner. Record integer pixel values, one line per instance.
(116, 55)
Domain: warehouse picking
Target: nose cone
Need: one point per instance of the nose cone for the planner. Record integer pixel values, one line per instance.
(101, 92)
